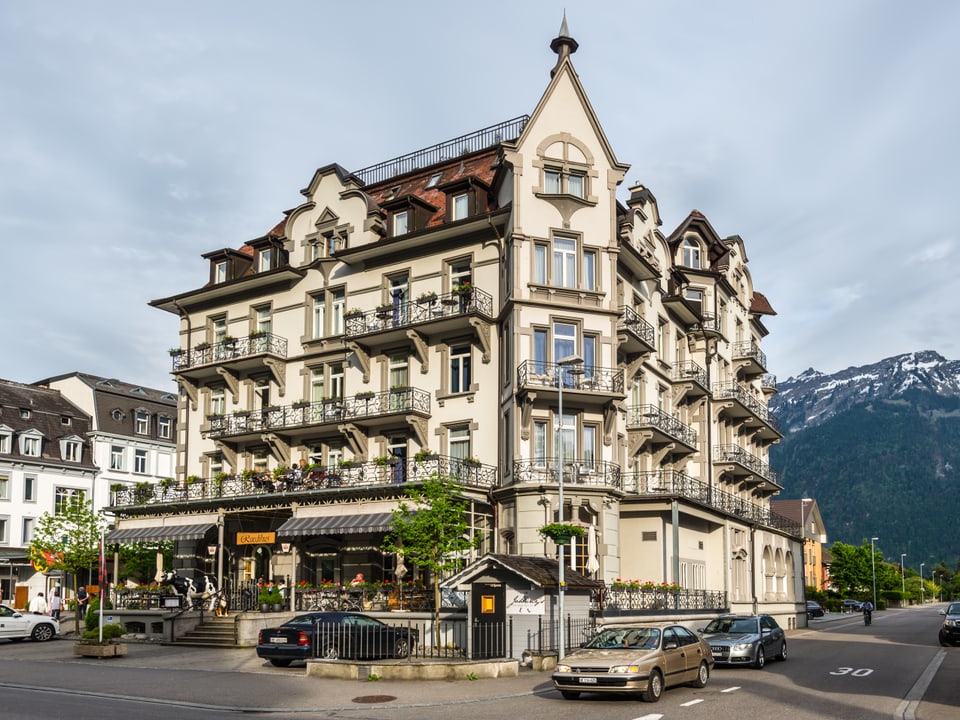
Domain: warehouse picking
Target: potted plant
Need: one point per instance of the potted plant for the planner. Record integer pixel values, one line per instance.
(90, 644)
(257, 333)
(364, 395)
(202, 346)
(270, 599)
(464, 288)
(301, 403)
(384, 310)
(471, 461)
(427, 298)
(425, 454)
(561, 533)
(174, 351)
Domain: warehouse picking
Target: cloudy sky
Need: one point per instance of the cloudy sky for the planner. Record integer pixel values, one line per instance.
(136, 136)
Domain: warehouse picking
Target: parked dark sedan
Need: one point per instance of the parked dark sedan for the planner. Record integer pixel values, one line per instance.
(745, 640)
(814, 609)
(333, 635)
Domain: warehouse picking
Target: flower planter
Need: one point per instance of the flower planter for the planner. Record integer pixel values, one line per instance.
(113, 649)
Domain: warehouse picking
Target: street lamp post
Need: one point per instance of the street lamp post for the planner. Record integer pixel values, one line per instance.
(561, 579)
(873, 567)
(921, 582)
(903, 578)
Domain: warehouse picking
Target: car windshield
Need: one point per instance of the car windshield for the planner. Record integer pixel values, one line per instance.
(635, 637)
(954, 609)
(733, 625)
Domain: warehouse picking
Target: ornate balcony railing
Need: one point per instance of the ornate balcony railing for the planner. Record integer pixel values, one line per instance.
(667, 482)
(736, 454)
(624, 599)
(750, 349)
(414, 312)
(689, 370)
(710, 323)
(651, 415)
(576, 472)
(631, 320)
(581, 377)
(232, 349)
(768, 382)
(359, 406)
(736, 391)
(317, 478)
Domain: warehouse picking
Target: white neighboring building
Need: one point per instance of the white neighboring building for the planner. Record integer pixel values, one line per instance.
(45, 459)
(132, 431)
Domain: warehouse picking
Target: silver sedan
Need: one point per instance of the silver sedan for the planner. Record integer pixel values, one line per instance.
(745, 640)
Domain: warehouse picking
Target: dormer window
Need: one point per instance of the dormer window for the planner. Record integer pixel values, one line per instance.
(71, 449)
(30, 443)
(6, 439)
(24, 414)
(692, 253)
(401, 222)
(433, 181)
(460, 206)
(141, 423)
(220, 272)
(265, 259)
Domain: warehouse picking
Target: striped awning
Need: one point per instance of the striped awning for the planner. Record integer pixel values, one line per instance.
(158, 532)
(336, 524)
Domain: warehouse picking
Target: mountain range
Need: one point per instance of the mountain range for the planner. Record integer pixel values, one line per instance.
(878, 447)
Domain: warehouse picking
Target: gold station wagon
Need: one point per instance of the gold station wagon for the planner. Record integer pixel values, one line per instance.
(641, 659)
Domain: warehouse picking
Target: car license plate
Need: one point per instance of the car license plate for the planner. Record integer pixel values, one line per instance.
(588, 681)
(278, 640)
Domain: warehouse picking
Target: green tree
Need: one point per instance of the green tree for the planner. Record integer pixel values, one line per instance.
(69, 540)
(431, 530)
(139, 560)
(850, 569)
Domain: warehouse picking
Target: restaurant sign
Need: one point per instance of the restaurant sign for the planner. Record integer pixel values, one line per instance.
(256, 538)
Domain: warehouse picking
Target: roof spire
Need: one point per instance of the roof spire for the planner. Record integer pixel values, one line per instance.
(563, 45)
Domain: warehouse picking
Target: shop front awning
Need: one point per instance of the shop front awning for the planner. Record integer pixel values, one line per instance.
(336, 525)
(158, 533)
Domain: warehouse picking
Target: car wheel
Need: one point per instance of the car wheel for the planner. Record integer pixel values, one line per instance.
(330, 652)
(760, 660)
(703, 674)
(401, 648)
(944, 642)
(654, 687)
(783, 650)
(42, 633)
(280, 663)
(570, 694)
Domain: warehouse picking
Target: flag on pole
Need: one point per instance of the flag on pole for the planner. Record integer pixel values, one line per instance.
(103, 586)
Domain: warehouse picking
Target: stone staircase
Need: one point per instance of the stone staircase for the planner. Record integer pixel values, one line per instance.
(212, 632)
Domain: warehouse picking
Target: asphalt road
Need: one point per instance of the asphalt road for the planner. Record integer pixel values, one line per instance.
(837, 669)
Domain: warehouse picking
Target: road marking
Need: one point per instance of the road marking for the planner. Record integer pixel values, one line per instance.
(731, 689)
(907, 709)
(649, 717)
(692, 702)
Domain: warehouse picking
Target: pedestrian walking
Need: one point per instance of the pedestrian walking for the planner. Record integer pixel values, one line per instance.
(56, 604)
(82, 600)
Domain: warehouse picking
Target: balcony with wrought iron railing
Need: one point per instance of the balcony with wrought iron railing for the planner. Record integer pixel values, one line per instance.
(748, 463)
(750, 361)
(577, 471)
(586, 378)
(751, 406)
(669, 483)
(230, 350)
(667, 427)
(362, 406)
(428, 308)
(315, 479)
(639, 335)
(768, 383)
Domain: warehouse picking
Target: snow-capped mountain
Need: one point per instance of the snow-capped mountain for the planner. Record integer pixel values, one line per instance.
(812, 397)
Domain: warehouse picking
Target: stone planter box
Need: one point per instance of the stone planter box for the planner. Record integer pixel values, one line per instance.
(100, 651)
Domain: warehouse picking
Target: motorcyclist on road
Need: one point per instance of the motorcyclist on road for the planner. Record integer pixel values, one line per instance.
(867, 612)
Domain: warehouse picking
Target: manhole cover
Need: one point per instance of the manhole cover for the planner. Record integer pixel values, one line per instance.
(374, 698)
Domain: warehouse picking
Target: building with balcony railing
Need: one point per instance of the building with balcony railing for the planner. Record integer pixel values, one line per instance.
(466, 310)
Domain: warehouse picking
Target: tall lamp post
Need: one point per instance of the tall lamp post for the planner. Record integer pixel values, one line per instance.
(562, 364)
(873, 567)
(921, 582)
(903, 578)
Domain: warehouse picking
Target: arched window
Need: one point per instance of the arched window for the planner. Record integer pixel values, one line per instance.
(691, 253)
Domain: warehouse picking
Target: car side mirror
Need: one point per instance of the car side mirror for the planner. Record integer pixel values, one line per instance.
(16, 614)
(671, 645)
(943, 612)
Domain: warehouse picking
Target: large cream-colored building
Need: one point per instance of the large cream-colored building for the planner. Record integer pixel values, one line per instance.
(482, 308)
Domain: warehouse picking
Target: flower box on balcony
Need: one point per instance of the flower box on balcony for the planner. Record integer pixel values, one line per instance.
(561, 533)
(427, 298)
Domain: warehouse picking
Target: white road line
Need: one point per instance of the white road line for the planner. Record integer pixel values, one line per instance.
(649, 717)
(692, 702)
(731, 689)
(907, 709)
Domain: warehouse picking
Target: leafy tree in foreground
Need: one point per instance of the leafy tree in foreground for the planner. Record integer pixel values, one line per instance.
(68, 540)
(432, 530)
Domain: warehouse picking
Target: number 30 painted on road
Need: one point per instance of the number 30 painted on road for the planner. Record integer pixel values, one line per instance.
(856, 672)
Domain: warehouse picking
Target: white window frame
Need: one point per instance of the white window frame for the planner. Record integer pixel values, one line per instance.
(29, 488)
(141, 422)
(72, 450)
(140, 461)
(220, 272)
(62, 495)
(338, 304)
(319, 315)
(264, 259)
(6, 441)
(691, 253)
(218, 401)
(117, 457)
(164, 427)
(4, 487)
(459, 442)
(30, 444)
(460, 206)
(4, 524)
(565, 262)
(27, 526)
(401, 223)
